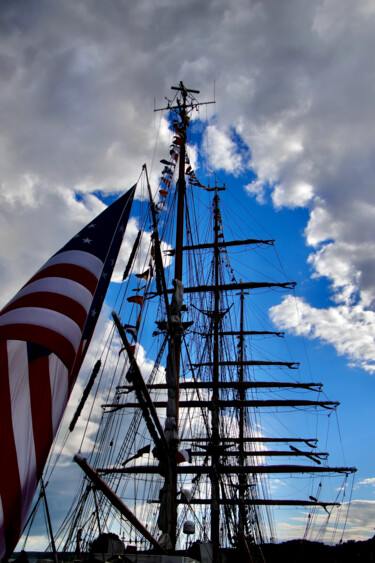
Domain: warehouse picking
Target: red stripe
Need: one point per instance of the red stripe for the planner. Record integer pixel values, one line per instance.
(69, 271)
(41, 410)
(179, 457)
(54, 301)
(52, 340)
(138, 299)
(10, 485)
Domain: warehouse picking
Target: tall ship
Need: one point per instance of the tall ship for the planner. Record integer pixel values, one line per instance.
(200, 412)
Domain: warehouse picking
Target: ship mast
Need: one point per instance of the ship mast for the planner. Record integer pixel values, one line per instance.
(168, 523)
(176, 338)
(185, 102)
(241, 421)
(181, 195)
(213, 383)
(215, 491)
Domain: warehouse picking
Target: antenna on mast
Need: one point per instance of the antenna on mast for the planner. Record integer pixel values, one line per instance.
(186, 93)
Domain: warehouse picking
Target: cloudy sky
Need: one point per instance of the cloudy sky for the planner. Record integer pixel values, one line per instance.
(294, 83)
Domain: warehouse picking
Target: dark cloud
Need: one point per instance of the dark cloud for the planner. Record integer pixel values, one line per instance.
(293, 78)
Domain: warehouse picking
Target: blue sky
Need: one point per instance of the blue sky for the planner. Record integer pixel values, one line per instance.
(292, 128)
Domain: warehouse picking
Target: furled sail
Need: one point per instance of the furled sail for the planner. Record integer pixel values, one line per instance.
(44, 334)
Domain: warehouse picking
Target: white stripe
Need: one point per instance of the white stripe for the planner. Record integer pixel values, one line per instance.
(78, 258)
(22, 422)
(62, 286)
(58, 375)
(35, 316)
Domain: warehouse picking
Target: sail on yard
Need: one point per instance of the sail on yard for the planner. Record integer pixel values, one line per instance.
(45, 331)
(185, 439)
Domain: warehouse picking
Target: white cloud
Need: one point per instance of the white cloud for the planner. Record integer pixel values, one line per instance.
(223, 151)
(351, 329)
(358, 525)
(321, 226)
(34, 227)
(35, 542)
(361, 519)
(256, 188)
(298, 195)
(368, 481)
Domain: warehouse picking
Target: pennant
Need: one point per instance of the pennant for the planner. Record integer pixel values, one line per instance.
(132, 348)
(167, 162)
(132, 330)
(136, 289)
(183, 456)
(143, 276)
(138, 299)
(44, 334)
(140, 453)
(179, 128)
(163, 193)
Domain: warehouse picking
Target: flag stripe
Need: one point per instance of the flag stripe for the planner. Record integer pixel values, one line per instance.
(61, 286)
(86, 260)
(10, 486)
(43, 336)
(58, 303)
(59, 389)
(41, 409)
(22, 421)
(69, 271)
(44, 318)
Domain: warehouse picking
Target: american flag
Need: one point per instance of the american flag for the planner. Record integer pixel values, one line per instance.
(44, 334)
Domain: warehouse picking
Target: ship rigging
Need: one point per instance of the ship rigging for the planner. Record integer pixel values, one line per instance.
(185, 433)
